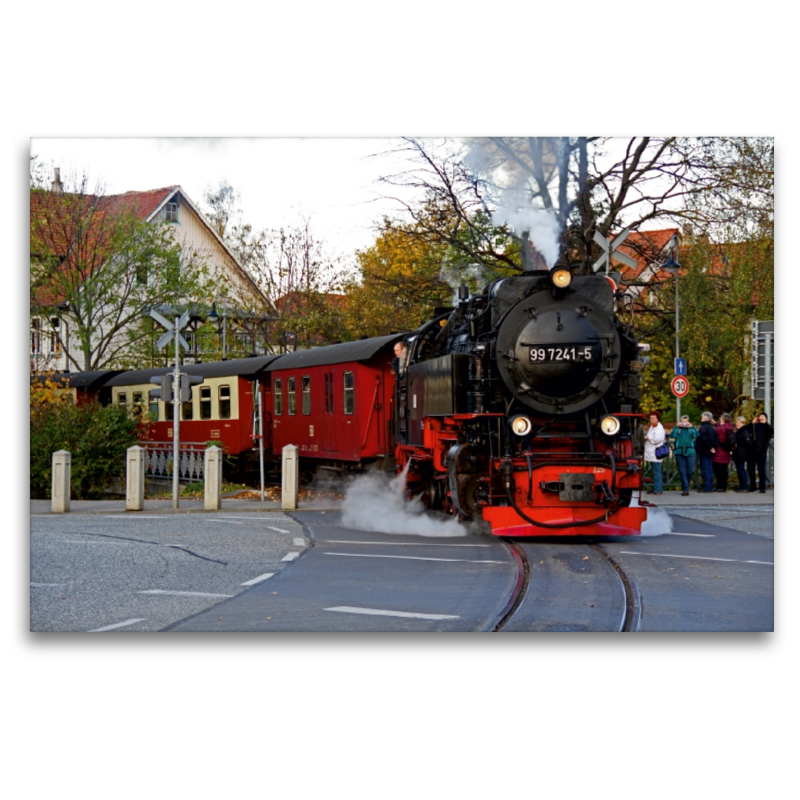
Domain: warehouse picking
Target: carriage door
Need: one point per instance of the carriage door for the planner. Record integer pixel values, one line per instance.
(329, 417)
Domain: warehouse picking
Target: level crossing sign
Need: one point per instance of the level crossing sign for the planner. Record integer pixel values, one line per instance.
(680, 386)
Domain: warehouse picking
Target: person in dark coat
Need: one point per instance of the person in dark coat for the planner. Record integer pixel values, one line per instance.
(399, 360)
(721, 459)
(742, 452)
(762, 434)
(705, 447)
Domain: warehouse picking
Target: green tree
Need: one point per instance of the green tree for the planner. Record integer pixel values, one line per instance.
(100, 268)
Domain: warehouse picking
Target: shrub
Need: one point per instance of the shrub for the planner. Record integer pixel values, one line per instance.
(96, 437)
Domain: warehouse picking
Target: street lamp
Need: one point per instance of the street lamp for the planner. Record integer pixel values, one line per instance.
(213, 318)
(672, 265)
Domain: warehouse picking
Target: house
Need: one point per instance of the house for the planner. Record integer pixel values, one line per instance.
(52, 339)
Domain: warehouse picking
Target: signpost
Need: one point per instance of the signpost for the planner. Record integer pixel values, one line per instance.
(680, 386)
(680, 366)
(610, 251)
(173, 332)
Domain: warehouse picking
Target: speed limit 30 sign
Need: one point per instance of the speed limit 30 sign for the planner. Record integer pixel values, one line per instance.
(680, 386)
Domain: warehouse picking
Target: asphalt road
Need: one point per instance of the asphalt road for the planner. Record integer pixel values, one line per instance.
(305, 572)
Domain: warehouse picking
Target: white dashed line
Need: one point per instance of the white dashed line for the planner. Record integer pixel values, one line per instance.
(290, 556)
(258, 579)
(118, 625)
(413, 558)
(384, 613)
(39, 585)
(695, 558)
(218, 520)
(699, 535)
(273, 528)
(183, 594)
(405, 544)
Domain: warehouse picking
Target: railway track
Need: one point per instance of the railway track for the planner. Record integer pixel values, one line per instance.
(631, 619)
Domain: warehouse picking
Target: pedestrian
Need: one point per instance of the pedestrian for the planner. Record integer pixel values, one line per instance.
(721, 460)
(742, 452)
(762, 434)
(653, 439)
(706, 445)
(684, 434)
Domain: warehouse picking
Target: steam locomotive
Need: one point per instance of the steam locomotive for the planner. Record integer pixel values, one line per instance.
(518, 408)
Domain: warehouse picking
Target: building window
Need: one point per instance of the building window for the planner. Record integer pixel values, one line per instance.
(224, 402)
(55, 338)
(306, 393)
(349, 399)
(171, 212)
(277, 396)
(205, 402)
(36, 337)
(291, 400)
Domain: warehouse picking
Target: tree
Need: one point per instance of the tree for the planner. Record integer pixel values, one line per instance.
(99, 266)
(300, 280)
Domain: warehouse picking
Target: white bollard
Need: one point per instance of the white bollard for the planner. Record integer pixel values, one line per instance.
(62, 467)
(134, 495)
(290, 477)
(213, 479)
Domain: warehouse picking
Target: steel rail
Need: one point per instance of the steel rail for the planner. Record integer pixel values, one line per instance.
(521, 584)
(632, 619)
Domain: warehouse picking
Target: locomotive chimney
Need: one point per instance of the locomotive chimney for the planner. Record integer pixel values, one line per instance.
(463, 294)
(527, 253)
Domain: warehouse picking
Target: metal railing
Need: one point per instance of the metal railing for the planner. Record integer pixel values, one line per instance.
(672, 479)
(191, 461)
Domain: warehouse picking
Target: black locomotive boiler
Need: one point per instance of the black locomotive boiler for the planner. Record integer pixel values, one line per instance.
(519, 407)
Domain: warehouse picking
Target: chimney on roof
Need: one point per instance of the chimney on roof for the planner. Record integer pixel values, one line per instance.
(56, 185)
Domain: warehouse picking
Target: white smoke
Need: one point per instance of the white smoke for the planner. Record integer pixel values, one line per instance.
(658, 522)
(542, 226)
(376, 503)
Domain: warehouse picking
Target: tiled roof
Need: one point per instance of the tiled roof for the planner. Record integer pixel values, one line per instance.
(645, 247)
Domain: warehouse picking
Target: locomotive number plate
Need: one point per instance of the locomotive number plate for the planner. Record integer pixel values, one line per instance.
(563, 353)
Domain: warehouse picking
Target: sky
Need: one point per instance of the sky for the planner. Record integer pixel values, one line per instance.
(332, 181)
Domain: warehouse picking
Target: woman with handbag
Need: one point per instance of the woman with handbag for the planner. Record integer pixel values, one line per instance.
(654, 445)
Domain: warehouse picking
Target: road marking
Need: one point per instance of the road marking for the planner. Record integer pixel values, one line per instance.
(76, 541)
(290, 556)
(700, 535)
(47, 584)
(383, 613)
(273, 528)
(118, 625)
(404, 544)
(413, 558)
(696, 558)
(183, 594)
(217, 520)
(299, 542)
(258, 579)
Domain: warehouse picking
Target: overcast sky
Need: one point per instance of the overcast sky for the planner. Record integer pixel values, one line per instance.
(333, 181)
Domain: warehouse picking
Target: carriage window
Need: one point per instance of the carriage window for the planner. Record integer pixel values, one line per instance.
(169, 412)
(187, 410)
(205, 402)
(306, 387)
(348, 393)
(122, 400)
(277, 394)
(291, 400)
(153, 405)
(224, 402)
(138, 404)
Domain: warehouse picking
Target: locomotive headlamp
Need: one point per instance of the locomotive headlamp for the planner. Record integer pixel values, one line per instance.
(610, 426)
(521, 425)
(561, 278)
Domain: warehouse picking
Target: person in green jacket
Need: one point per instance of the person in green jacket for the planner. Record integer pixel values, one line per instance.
(684, 434)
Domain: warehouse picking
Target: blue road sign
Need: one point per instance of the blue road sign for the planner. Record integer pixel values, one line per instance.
(680, 366)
